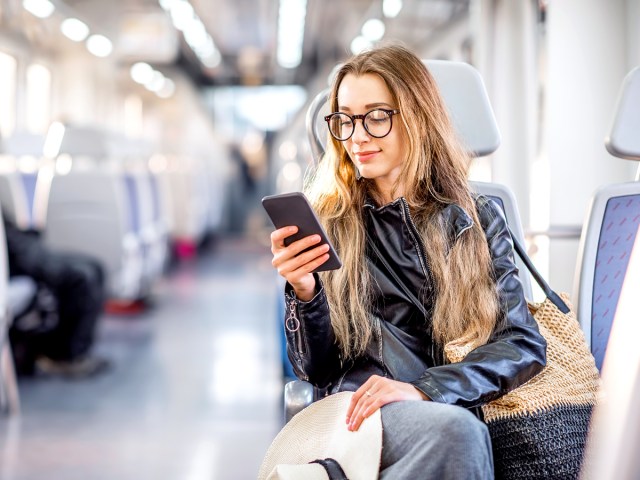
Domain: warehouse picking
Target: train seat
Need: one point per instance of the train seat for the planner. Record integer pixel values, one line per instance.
(149, 229)
(468, 104)
(14, 296)
(146, 215)
(184, 190)
(607, 278)
(19, 174)
(90, 211)
(14, 199)
(610, 229)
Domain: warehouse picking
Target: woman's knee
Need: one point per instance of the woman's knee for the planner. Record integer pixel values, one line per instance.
(460, 423)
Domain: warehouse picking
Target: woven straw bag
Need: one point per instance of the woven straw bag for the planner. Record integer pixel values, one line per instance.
(539, 430)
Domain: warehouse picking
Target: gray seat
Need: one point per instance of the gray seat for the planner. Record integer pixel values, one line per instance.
(89, 209)
(468, 104)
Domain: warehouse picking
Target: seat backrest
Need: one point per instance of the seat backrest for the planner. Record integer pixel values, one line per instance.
(467, 102)
(608, 234)
(609, 271)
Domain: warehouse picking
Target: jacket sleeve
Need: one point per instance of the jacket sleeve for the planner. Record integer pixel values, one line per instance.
(311, 342)
(516, 350)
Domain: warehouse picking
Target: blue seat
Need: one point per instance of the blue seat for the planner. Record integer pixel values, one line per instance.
(608, 282)
(611, 226)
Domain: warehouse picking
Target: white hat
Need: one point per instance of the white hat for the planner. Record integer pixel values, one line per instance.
(320, 432)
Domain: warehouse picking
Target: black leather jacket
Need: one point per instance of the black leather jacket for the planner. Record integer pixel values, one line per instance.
(402, 347)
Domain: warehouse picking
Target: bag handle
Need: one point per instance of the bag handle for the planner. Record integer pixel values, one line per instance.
(551, 295)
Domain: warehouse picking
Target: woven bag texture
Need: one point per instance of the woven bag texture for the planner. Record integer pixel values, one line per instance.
(539, 429)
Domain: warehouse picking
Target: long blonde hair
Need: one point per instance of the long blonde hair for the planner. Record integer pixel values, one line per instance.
(433, 176)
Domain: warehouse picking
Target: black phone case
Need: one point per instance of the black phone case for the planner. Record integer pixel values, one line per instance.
(289, 209)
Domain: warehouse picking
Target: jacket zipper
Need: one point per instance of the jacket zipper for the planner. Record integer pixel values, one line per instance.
(293, 325)
(424, 263)
(406, 216)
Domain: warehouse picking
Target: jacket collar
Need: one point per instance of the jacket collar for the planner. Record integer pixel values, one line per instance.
(454, 217)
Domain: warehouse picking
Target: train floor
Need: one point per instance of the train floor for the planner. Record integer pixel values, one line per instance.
(194, 391)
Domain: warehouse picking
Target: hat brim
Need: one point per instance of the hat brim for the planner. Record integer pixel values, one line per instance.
(319, 432)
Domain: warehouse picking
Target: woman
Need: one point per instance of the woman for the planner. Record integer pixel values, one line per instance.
(424, 264)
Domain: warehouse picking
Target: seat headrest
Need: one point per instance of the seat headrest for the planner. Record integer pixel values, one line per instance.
(624, 138)
(81, 141)
(467, 101)
(24, 143)
(464, 95)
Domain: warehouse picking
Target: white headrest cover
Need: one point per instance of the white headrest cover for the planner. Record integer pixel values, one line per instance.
(624, 139)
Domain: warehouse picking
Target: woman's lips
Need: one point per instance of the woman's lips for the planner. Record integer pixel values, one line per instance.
(363, 157)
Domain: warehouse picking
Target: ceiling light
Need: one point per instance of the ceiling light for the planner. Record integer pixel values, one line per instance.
(391, 8)
(185, 19)
(99, 45)
(166, 4)
(141, 72)
(291, 18)
(39, 8)
(156, 82)
(74, 29)
(167, 89)
(182, 14)
(360, 44)
(373, 29)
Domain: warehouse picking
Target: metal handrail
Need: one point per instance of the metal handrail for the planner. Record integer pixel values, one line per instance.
(556, 231)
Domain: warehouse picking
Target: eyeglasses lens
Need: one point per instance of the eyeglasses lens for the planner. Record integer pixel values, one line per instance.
(377, 123)
(341, 126)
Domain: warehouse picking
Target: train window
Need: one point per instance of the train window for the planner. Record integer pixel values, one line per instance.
(38, 98)
(8, 67)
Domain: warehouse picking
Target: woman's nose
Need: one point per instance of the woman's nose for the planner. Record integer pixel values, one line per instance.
(360, 134)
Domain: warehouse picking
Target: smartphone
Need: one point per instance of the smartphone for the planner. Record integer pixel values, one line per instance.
(289, 209)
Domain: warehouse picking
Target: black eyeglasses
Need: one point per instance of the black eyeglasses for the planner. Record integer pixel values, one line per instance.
(376, 122)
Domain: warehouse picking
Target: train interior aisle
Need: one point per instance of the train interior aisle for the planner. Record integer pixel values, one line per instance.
(193, 390)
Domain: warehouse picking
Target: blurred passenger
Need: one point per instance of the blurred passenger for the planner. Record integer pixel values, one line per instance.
(425, 263)
(57, 332)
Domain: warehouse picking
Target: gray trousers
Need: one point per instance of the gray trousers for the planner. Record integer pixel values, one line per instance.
(429, 440)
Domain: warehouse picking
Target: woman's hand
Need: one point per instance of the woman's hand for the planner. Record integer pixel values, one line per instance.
(297, 269)
(374, 394)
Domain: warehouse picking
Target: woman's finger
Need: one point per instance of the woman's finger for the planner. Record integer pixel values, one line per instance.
(278, 236)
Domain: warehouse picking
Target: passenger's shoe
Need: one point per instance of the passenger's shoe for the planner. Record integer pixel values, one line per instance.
(82, 367)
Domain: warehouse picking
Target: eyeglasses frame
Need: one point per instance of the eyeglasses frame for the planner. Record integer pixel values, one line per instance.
(353, 118)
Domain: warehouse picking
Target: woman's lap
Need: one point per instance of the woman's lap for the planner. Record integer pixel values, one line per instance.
(434, 440)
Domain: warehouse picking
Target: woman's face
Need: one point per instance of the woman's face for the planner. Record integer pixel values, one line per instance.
(378, 159)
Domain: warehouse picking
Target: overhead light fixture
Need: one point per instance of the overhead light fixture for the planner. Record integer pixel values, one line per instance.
(39, 8)
(391, 8)
(373, 29)
(168, 88)
(141, 72)
(74, 29)
(185, 19)
(360, 44)
(291, 18)
(99, 45)
(153, 80)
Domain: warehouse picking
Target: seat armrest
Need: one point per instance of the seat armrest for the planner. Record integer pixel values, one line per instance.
(298, 394)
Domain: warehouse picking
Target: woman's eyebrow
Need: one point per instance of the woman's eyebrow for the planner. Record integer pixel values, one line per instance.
(368, 106)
